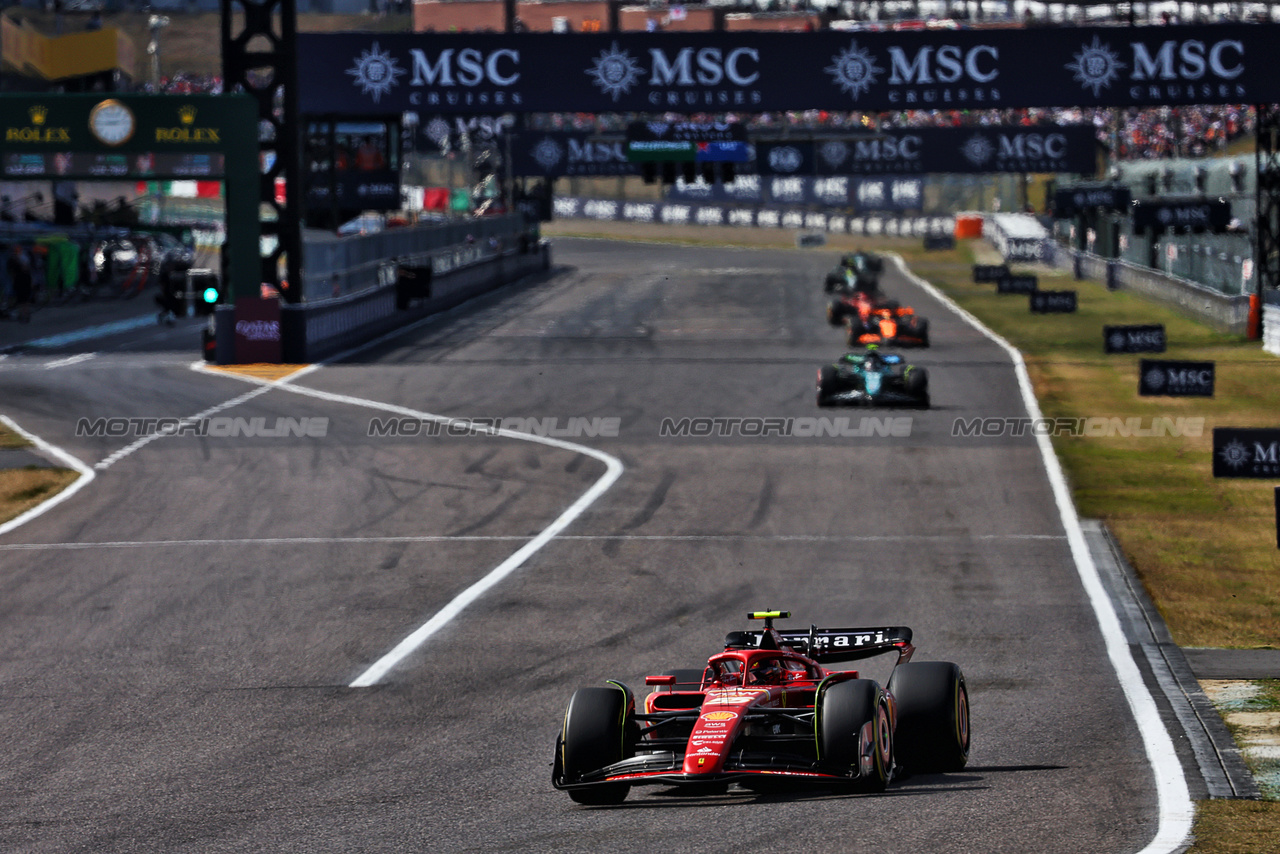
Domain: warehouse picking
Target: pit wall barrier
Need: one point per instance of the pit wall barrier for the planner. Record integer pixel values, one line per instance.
(338, 266)
(314, 331)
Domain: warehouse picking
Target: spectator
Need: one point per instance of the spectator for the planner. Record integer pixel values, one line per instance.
(20, 280)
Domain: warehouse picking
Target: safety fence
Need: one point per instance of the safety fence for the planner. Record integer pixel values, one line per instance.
(1228, 313)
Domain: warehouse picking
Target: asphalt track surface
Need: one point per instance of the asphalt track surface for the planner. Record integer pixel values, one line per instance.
(178, 639)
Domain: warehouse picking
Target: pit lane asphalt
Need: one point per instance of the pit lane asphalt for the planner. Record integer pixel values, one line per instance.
(181, 685)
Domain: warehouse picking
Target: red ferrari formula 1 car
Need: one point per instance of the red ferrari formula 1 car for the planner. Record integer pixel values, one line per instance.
(895, 327)
(767, 710)
(847, 304)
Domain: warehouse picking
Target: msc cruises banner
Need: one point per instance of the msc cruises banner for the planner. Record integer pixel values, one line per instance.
(439, 73)
(894, 151)
(1047, 148)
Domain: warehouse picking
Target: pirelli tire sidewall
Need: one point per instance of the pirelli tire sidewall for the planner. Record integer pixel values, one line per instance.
(933, 717)
(599, 730)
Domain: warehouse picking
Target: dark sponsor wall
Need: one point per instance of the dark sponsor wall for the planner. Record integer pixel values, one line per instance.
(392, 73)
(892, 152)
(751, 216)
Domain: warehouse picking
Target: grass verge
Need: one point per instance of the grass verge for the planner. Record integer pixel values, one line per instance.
(1204, 548)
(24, 488)
(9, 439)
(1236, 827)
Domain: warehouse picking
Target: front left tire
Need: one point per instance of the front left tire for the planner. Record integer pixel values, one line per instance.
(598, 731)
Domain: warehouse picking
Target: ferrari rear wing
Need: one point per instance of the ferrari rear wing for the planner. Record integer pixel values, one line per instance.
(832, 645)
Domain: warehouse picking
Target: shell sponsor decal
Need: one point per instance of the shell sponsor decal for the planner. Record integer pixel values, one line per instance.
(719, 716)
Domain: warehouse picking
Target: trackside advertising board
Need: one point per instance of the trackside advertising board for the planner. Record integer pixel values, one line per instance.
(890, 152)
(1246, 452)
(1175, 378)
(1142, 338)
(392, 73)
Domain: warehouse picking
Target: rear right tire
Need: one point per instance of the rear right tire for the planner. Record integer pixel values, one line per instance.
(933, 716)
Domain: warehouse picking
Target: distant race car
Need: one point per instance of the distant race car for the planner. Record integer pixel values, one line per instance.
(854, 303)
(873, 378)
(856, 271)
(893, 327)
(768, 711)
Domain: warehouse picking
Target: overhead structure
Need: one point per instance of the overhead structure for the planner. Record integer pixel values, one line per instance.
(1267, 236)
(260, 59)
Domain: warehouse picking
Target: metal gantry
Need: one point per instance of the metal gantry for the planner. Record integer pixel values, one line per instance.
(1267, 228)
(259, 39)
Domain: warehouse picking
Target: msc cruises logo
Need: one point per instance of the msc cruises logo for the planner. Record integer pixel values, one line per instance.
(1096, 66)
(614, 72)
(854, 70)
(1235, 454)
(547, 153)
(978, 150)
(375, 72)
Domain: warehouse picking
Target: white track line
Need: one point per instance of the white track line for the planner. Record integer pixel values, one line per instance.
(86, 475)
(1176, 810)
(613, 470)
(479, 538)
(115, 457)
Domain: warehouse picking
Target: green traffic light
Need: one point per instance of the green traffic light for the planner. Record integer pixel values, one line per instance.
(210, 295)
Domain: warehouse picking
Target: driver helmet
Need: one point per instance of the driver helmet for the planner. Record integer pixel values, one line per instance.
(767, 672)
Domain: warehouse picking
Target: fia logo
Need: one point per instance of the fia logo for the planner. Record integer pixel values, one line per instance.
(785, 158)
